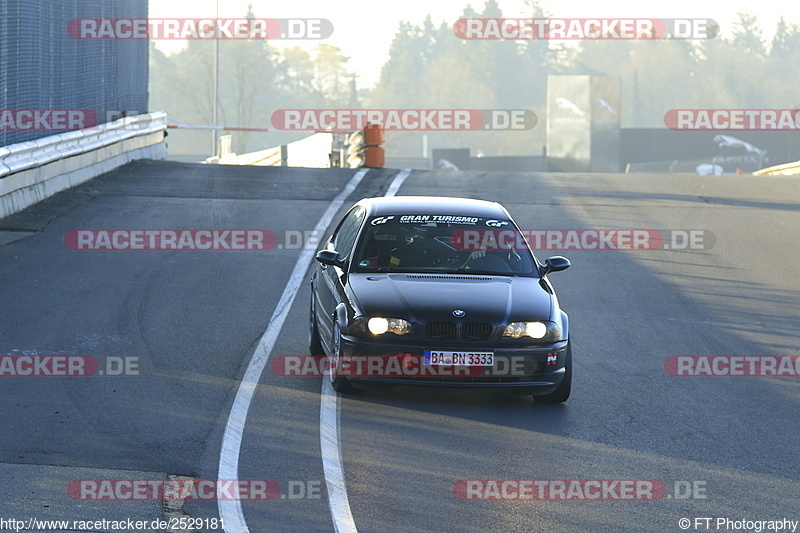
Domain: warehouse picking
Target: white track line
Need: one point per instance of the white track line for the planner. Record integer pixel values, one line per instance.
(329, 433)
(398, 181)
(332, 460)
(230, 511)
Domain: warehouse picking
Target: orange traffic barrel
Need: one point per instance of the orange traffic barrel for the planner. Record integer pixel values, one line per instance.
(374, 157)
(373, 135)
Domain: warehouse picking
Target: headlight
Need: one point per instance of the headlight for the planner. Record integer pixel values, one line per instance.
(379, 326)
(534, 330)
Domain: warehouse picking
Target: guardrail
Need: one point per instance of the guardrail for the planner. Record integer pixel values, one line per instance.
(34, 170)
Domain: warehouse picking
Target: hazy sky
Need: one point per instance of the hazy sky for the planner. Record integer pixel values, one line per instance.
(364, 30)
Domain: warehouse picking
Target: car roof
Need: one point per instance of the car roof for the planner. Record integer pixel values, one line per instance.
(433, 205)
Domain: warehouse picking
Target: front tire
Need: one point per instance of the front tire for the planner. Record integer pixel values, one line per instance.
(314, 342)
(562, 392)
(339, 383)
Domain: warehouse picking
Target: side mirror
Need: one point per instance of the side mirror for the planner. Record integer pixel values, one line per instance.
(330, 257)
(555, 263)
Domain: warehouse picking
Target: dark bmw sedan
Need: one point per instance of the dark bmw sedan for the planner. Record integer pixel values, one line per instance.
(438, 291)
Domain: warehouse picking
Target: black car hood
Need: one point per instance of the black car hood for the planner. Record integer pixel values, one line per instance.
(426, 297)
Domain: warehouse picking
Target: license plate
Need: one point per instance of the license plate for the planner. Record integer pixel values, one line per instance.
(432, 357)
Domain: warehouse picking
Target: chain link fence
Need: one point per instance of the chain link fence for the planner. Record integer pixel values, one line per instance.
(44, 69)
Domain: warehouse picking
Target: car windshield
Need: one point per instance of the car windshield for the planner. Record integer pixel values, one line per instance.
(443, 244)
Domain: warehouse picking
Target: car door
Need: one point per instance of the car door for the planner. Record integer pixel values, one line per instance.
(330, 289)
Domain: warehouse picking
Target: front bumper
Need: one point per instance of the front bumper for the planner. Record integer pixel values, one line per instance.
(528, 369)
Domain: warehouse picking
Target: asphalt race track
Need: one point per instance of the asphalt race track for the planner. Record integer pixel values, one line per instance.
(191, 321)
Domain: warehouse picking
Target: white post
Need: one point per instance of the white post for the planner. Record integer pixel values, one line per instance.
(215, 112)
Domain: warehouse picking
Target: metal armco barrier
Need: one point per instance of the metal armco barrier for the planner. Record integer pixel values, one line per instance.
(31, 154)
(33, 170)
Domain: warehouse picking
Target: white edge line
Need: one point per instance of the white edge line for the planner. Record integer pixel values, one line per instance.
(230, 511)
(338, 502)
(329, 433)
(398, 181)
